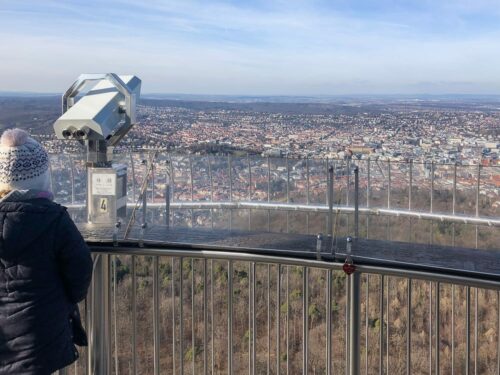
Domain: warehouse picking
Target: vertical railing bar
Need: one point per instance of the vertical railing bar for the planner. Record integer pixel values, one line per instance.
(478, 188)
(329, 199)
(230, 174)
(133, 176)
(249, 178)
(205, 317)
(153, 180)
(115, 313)
(381, 332)
(230, 318)
(173, 318)
(329, 322)
(348, 182)
(408, 327)
(72, 171)
(356, 202)
(368, 183)
(250, 329)
(498, 333)
(467, 330)
(432, 186)
(268, 193)
(268, 319)
(134, 317)
(192, 317)
(307, 182)
(453, 329)
(212, 352)
(430, 327)
(476, 329)
(211, 177)
(181, 314)
(191, 183)
(347, 324)
(287, 193)
(367, 322)
(354, 322)
(278, 318)
(478, 192)
(388, 343)
(454, 193)
(410, 186)
(305, 323)
(389, 183)
(156, 316)
(254, 326)
(437, 329)
(287, 319)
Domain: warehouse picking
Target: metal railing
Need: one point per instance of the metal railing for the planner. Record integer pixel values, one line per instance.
(174, 310)
(198, 185)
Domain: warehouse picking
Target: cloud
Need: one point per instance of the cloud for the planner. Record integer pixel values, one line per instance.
(275, 47)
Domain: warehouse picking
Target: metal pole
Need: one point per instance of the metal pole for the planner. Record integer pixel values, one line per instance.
(305, 314)
(408, 327)
(278, 319)
(173, 318)
(454, 188)
(230, 318)
(254, 326)
(307, 181)
(72, 171)
(467, 330)
(437, 337)
(100, 318)
(191, 183)
(205, 317)
(133, 177)
(410, 186)
(368, 183)
(181, 314)
(134, 316)
(288, 319)
(193, 338)
(268, 193)
(356, 202)
(330, 202)
(268, 319)
(432, 186)
(329, 322)
(389, 183)
(381, 331)
(453, 329)
(156, 317)
(476, 329)
(354, 323)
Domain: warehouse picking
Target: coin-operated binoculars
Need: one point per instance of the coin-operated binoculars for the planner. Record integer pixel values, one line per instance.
(99, 120)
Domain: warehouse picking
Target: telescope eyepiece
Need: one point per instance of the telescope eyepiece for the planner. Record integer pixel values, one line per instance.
(66, 133)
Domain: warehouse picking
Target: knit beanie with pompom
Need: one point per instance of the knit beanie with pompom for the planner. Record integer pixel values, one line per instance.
(24, 163)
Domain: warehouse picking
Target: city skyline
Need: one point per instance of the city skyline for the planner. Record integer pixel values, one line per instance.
(255, 48)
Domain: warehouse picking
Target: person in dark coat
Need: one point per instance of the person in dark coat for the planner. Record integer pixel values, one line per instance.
(45, 265)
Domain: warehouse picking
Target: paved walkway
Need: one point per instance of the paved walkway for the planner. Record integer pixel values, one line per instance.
(385, 253)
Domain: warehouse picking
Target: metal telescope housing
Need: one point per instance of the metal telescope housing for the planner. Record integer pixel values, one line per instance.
(99, 120)
(102, 116)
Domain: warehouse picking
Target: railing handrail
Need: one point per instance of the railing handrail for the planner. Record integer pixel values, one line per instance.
(493, 221)
(290, 258)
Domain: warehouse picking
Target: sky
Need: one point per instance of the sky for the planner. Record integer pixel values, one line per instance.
(263, 47)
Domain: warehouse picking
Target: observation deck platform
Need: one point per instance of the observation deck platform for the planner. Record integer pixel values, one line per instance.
(475, 263)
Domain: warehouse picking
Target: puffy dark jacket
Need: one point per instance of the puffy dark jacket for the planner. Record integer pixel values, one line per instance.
(45, 268)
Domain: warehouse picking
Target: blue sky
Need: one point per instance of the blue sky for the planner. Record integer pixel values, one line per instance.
(268, 47)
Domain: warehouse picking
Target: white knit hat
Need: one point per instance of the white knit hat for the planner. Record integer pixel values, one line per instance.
(24, 163)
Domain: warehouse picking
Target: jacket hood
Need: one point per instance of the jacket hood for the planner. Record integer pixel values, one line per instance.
(23, 223)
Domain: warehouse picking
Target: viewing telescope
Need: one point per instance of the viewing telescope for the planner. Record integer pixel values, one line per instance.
(102, 116)
(99, 120)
